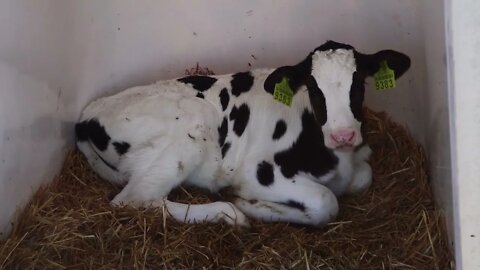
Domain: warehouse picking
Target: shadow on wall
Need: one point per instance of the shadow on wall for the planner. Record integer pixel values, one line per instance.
(33, 137)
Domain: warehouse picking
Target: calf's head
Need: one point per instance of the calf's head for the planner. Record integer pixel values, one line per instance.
(334, 75)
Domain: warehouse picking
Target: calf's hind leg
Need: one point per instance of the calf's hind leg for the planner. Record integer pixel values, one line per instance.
(155, 173)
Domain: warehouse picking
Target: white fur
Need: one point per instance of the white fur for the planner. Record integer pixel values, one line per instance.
(160, 120)
(333, 72)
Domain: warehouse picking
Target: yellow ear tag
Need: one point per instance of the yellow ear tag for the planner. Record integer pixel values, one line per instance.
(385, 77)
(283, 93)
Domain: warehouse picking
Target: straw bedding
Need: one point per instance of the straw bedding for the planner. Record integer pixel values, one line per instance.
(69, 224)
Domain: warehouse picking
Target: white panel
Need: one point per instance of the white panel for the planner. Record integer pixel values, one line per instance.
(90, 48)
(34, 48)
(464, 69)
(437, 129)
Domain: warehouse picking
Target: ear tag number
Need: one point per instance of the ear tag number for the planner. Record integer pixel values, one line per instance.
(385, 77)
(283, 93)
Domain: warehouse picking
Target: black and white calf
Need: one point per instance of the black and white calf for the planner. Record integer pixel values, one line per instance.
(285, 163)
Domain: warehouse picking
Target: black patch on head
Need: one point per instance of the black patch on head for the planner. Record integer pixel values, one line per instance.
(93, 131)
(225, 148)
(357, 93)
(224, 98)
(265, 173)
(294, 204)
(222, 131)
(121, 147)
(199, 82)
(308, 153)
(240, 117)
(200, 95)
(332, 45)
(241, 83)
(280, 129)
(317, 100)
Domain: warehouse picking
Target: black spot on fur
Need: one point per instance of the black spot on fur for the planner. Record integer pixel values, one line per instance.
(240, 117)
(224, 98)
(121, 147)
(294, 204)
(308, 153)
(225, 148)
(93, 131)
(265, 173)
(357, 93)
(280, 129)
(222, 132)
(201, 83)
(81, 131)
(317, 100)
(190, 136)
(200, 95)
(241, 83)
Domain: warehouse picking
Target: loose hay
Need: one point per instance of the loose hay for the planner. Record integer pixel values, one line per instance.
(70, 224)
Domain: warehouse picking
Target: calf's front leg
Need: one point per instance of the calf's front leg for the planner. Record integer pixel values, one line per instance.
(296, 200)
(362, 175)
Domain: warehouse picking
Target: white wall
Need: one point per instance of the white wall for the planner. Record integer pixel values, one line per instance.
(130, 43)
(90, 48)
(35, 90)
(436, 109)
(464, 72)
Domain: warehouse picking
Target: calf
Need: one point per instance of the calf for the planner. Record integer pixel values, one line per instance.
(286, 161)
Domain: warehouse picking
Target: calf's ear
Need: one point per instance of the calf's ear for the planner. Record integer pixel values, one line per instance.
(296, 75)
(370, 63)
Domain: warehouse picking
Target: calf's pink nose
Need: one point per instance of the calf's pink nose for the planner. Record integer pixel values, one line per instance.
(345, 136)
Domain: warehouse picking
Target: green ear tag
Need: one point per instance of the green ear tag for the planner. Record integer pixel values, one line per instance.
(385, 77)
(283, 93)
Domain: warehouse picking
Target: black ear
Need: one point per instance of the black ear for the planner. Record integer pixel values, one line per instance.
(370, 64)
(296, 75)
